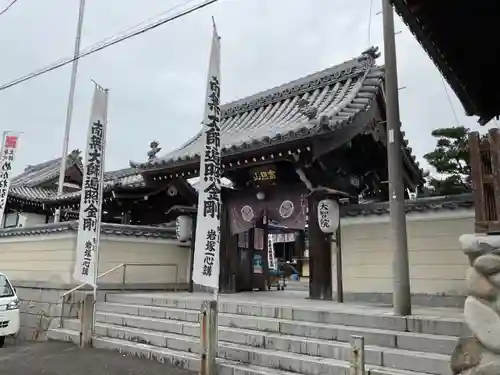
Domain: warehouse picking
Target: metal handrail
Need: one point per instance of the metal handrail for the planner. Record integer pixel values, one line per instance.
(121, 265)
(98, 277)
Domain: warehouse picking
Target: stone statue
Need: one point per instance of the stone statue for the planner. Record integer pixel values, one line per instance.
(154, 149)
(480, 354)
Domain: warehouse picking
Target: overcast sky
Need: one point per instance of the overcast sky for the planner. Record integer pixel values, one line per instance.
(157, 80)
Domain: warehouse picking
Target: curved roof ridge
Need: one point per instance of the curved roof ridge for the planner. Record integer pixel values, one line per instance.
(355, 67)
(227, 108)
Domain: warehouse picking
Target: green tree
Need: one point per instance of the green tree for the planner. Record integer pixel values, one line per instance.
(450, 158)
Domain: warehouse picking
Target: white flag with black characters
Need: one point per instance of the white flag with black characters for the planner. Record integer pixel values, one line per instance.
(91, 193)
(207, 243)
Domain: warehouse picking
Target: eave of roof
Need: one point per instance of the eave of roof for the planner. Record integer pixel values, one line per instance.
(471, 95)
(127, 177)
(273, 117)
(106, 228)
(451, 202)
(36, 175)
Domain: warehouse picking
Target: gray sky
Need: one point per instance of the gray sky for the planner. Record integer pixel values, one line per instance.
(157, 80)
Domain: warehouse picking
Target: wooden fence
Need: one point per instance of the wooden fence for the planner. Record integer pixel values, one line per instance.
(485, 178)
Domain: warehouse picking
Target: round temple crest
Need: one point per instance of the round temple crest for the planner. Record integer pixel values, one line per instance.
(247, 213)
(286, 209)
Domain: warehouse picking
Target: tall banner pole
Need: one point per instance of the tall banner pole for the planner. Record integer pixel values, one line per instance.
(10, 142)
(87, 250)
(206, 262)
(69, 108)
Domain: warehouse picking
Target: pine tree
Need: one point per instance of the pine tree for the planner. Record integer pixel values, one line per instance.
(450, 158)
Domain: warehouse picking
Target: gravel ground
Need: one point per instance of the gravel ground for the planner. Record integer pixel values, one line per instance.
(57, 358)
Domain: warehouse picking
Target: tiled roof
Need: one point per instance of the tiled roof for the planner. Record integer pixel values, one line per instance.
(27, 185)
(119, 178)
(225, 183)
(38, 174)
(106, 228)
(128, 177)
(318, 103)
(452, 202)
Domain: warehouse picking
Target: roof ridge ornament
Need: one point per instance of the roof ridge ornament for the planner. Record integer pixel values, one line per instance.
(369, 56)
(372, 53)
(154, 149)
(307, 109)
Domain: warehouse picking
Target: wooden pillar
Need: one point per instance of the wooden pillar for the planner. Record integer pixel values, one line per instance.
(228, 250)
(126, 217)
(320, 261)
(225, 269)
(191, 260)
(300, 248)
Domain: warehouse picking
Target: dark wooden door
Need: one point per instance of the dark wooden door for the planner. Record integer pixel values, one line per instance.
(244, 275)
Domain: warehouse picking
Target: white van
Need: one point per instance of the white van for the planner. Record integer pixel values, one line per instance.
(9, 309)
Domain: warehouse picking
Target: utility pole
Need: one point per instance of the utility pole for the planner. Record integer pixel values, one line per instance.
(401, 272)
(69, 108)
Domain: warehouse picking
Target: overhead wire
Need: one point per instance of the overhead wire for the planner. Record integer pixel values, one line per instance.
(448, 96)
(4, 10)
(114, 37)
(370, 16)
(111, 41)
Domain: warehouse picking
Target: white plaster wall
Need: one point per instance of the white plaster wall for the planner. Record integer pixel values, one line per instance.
(155, 261)
(9, 219)
(51, 259)
(38, 258)
(31, 219)
(437, 264)
(26, 219)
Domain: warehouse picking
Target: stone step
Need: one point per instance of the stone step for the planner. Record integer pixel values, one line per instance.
(439, 344)
(232, 357)
(371, 317)
(69, 334)
(133, 330)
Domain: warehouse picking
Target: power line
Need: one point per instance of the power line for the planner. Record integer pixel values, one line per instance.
(449, 100)
(108, 43)
(4, 10)
(104, 41)
(370, 16)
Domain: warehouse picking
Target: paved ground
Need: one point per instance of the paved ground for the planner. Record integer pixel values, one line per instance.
(56, 358)
(295, 298)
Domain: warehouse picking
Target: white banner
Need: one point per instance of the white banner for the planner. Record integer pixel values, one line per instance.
(91, 196)
(207, 243)
(271, 255)
(9, 147)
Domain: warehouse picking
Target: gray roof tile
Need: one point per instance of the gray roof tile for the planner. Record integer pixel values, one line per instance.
(106, 228)
(451, 202)
(23, 188)
(38, 174)
(338, 94)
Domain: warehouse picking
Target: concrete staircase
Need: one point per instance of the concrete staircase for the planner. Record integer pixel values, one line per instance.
(255, 339)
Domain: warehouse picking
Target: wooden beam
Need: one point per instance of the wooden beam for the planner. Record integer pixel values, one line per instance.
(477, 177)
(494, 138)
(320, 261)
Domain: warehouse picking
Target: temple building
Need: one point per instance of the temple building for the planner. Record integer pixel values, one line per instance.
(283, 151)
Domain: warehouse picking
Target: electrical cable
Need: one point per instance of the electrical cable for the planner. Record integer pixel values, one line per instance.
(108, 43)
(104, 41)
(4, 10)
(449, 100)
(370, 15)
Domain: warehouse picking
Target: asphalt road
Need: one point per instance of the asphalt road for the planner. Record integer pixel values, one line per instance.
(57, 358)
